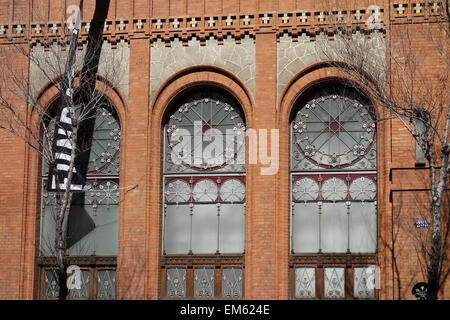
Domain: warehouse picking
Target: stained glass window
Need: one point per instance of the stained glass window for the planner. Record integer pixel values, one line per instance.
(204, 176)
(333, 169)
(333, 172)
(92, 227)
(204, 196)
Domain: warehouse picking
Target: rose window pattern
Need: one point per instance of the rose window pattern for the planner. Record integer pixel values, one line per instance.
(333, 132)
(205, 133)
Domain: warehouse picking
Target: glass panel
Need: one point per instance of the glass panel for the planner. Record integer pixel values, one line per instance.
(104, 156)
(305, 228)
(48, 227)
(93, 226)
(364, 282)
(334, 233)
(334, 283)
(106, 284)
(232, 228)
(83, 292)
(176, 283)
(363, 227)
(305, 283)
(232, 283)
(204, 228)
(204, 283)
(51, 286)
(177, 226)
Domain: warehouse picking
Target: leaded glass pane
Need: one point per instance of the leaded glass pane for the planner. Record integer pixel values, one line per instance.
(305, 283)
(334, 227)
(83, 292)
(204, 283)
(364, 282)
(51, 286)
(177, 229)
(232, 228)
(204, 228)
(106, 284)
(204, 134)
(363, 227)
(104, 155)
(334, 279)
(305, 228)
(232, 283)
(176, 283)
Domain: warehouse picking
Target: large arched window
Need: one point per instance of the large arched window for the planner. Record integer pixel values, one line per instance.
(204, 197)
(333, 194)
(92, 222)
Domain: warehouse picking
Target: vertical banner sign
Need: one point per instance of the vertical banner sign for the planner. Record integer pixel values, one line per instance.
(62, 146)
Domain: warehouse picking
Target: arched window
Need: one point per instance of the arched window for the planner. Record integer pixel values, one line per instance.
(333, 194)
(204, 197)
(92, 222)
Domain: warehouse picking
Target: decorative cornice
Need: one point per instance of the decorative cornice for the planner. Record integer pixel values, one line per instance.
(295, 23)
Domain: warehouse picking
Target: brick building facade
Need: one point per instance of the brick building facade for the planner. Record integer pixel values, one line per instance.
(264, 56)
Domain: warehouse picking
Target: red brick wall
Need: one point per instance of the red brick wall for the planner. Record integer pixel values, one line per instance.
(267, 219)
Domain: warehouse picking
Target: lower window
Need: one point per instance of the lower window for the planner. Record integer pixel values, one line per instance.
(334, 280)
(86, 282)
(202, 279)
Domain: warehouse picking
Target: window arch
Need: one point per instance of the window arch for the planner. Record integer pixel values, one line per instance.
(333, 193)
(92, 222)
(204, 196)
